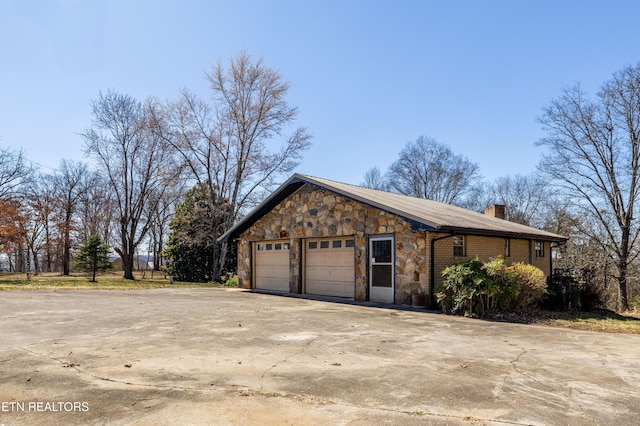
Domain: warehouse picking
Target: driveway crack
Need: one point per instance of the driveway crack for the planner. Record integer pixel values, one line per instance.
(517, 370)
(75, 366)
(286, 359)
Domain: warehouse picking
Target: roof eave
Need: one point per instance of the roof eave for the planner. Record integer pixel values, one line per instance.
(286, 189)
(504, 234)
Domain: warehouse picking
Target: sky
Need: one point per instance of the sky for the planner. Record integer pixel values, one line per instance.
(368, 76)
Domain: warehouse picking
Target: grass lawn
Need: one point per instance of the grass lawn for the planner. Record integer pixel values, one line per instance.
(109, 281)
(598, 320)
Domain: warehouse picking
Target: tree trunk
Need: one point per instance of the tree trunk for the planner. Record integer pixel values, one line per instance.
(36, 266)
(127, 266)
(623, 261)
(623, 301)
(622, 289)
(66, 256)
(126, 254)
(94, 269)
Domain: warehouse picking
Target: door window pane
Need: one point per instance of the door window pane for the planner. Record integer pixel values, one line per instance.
(324, 244)
(381, 251)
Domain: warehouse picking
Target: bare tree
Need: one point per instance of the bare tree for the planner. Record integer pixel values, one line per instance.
(72, 181)
(526, 198)
(594, 158)
(373, 179)
(13, 172)
(242, 144)
(96, 210)
(159, 219)
(39, 205)
(42, 197)
(429, 169)
(134, 161)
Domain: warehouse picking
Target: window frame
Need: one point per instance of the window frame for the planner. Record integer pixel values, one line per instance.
(459, 246)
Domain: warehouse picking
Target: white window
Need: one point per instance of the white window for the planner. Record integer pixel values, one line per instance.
(458, 246)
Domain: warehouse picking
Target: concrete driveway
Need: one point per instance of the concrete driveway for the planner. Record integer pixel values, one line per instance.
(221, 356)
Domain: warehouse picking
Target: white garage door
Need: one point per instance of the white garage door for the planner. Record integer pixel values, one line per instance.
(272, 265)
(329, 267)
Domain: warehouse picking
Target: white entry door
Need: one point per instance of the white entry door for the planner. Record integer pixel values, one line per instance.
(381, 269)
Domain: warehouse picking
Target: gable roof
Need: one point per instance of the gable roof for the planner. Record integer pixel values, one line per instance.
(422, 214)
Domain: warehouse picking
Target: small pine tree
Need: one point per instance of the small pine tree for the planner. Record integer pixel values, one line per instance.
(93, 256)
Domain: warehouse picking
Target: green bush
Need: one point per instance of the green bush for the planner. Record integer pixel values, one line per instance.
(232, 281)
(591, 296)
(563, 292)
(475, 288)
(533, 285)
(461, 283)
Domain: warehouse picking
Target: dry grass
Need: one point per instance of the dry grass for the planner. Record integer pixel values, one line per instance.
(600, 320)
(110, 281)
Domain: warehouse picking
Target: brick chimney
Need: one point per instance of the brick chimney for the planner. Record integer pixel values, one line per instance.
(495, 210)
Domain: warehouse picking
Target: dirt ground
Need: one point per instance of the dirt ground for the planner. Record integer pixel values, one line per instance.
(228, 357)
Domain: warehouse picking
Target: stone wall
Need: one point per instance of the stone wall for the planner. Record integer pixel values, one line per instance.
(315, 213)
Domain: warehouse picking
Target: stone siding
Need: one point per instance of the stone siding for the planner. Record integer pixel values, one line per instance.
(317, 213)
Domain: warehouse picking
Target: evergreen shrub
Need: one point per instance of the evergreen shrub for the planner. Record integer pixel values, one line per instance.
(476, 288)
(533, 285)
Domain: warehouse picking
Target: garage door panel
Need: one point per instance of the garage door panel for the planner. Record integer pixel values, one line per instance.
(272, 266)
(330, 268)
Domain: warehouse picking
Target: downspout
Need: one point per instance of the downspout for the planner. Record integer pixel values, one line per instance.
(432, 272)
